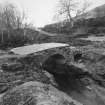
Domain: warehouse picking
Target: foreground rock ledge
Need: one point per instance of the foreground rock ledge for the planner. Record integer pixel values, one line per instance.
(36, 93)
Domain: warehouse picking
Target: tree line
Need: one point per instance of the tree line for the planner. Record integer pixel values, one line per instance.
(13, 26)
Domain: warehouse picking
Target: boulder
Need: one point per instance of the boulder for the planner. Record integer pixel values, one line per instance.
(36, 93)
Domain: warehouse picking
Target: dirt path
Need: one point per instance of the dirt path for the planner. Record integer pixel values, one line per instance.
(46, 33)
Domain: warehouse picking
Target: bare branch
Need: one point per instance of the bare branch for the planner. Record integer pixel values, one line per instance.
(69, 8)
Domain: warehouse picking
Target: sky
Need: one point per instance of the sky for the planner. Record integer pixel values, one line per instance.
(41, 12)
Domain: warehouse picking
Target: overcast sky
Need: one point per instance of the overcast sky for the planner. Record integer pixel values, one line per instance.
(41, 12)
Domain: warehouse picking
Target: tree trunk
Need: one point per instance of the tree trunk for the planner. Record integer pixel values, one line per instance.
(8, 34)
(24, 32)
(2, 37)
(71, 22)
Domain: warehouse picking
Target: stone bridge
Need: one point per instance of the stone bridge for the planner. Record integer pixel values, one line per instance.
(67, 52)
(38, 58)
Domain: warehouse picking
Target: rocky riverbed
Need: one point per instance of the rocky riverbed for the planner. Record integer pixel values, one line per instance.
(23, 70)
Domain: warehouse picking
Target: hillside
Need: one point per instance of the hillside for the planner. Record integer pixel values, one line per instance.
(90, 23)
(94, 13)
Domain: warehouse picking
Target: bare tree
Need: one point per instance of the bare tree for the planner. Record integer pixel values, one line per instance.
(84, 8)
(68, 8)
(10, 18)
(20, 18)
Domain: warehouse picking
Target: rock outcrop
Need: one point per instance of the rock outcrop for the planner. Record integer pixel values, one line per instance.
(36, 93)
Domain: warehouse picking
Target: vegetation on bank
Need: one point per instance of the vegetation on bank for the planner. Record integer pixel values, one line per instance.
(14, 29)
(92, 26)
